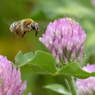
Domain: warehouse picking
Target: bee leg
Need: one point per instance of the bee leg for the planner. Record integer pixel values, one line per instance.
(16, 33)
(24, 34)
(36, 33)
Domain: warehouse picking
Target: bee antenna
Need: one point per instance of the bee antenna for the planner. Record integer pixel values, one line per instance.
(41, 29)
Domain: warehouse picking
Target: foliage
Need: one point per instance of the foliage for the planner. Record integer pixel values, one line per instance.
(58, 88)
(45, 63)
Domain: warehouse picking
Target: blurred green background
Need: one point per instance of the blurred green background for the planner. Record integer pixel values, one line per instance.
(43, 11)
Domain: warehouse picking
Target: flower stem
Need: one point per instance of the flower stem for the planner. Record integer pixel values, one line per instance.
(71, 84)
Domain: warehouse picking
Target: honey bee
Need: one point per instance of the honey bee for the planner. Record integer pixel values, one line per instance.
(24, 26)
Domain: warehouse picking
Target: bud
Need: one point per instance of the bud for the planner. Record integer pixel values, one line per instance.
(86, 86)
(65, 39)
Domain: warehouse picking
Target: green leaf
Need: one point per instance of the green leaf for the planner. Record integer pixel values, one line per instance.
(45, 61)
(40, 63)
(58, 88)
(21, 59)
(74, 69)
(33, 68)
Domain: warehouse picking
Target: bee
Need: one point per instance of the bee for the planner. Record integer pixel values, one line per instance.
(24, 26)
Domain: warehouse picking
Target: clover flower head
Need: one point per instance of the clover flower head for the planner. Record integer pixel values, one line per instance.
(93, 2)
(87, 86)
(10, 79)
(65, 39)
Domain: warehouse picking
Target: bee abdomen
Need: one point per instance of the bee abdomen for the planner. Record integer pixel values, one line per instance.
(14, 25)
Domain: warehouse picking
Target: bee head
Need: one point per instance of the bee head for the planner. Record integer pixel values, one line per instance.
(35, 26)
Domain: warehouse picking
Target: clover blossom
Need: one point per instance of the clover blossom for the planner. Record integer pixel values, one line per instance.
(65, 40)
(10, 79)
(87, 86)
(93, 2)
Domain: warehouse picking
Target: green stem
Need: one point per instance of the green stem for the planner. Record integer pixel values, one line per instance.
(71, 84)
